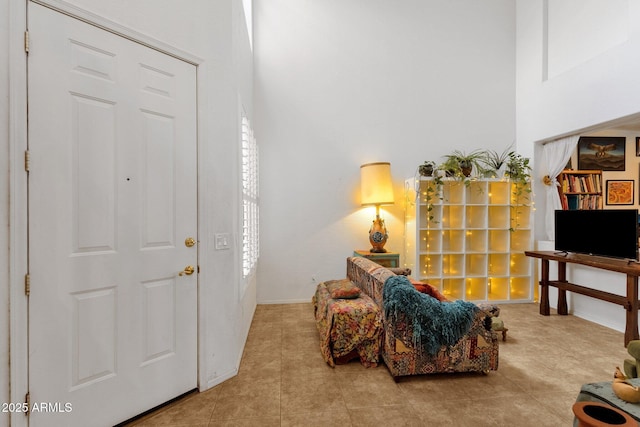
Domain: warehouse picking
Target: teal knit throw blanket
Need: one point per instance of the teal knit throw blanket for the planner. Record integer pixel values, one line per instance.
(433, 323)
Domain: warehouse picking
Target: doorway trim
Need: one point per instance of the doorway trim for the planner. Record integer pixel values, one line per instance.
(18, 197)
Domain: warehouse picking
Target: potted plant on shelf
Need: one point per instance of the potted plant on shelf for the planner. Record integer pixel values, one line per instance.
(460, 164)
(496, 163)
(518, 168)
(427, 168)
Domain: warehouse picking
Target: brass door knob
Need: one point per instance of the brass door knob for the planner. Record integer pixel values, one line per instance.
(189, 242)
(188, 270)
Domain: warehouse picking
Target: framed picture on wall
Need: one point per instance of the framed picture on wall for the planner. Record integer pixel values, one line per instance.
(637, 146)
(620, 192)
(605, 153)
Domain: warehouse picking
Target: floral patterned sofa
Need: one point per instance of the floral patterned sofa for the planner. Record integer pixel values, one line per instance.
(476, 351)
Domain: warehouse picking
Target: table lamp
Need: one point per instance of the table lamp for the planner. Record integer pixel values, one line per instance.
(377, 189)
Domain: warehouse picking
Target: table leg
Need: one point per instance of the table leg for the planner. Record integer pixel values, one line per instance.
(562, 293)
(544, 288)
(631, 328)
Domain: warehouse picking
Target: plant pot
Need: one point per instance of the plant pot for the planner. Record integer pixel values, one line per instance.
(597, 414)
(425, 170)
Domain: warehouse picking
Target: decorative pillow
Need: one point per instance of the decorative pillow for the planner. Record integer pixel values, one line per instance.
(428, 289)
(343, 289)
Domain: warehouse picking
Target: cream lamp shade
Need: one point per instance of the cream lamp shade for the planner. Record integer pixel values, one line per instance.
(377, 189)
(375, 184)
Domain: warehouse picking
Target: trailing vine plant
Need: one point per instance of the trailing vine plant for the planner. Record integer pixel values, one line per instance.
(433, 194)
(433, 191)
(519, 172)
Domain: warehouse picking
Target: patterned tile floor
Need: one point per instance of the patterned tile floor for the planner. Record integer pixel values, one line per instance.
(283, 380)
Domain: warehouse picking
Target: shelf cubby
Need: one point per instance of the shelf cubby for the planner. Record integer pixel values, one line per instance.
(498, 288)
(476, 193)
(475, 216)
(519, 288)
(453, 265)
(498, 217)
(499, 193)
(476, 288)
(520, 264)
(453, 192)
(476, 265)
(431, 216)
(453, 216)
(428, 193)
(430, 241)
(430, 265)
(498, 265)
(453, 240)
(499, 240)
(453, 288)
(520, 217)
(476, 241)
(521, 240)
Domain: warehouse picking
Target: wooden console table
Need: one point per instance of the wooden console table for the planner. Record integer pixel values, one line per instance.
(385, 259)
(629, 302)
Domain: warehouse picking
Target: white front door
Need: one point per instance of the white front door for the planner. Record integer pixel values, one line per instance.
(112, 198)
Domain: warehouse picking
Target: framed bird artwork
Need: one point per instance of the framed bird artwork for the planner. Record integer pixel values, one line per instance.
(605, 153)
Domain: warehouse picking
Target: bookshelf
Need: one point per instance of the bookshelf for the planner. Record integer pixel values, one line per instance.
(469, 240)
(580, 189)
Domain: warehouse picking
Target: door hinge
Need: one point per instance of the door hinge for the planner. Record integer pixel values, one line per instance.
(27, 160)
(27, 284)
(27, 401)
(26, 41)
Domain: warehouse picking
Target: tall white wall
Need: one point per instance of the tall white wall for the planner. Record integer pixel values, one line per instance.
(339, 84)
(4, 210)
(577, 71)
(600, 85)
(216, 33)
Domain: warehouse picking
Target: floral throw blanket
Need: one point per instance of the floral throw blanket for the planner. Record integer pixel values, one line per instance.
(347, 324)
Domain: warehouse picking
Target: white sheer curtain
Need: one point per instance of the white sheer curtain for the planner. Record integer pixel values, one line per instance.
(555, 156)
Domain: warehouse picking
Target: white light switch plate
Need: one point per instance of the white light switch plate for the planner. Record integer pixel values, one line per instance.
(222, 241)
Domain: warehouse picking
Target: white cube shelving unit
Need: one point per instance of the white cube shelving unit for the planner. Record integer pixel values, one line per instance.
(469, 239)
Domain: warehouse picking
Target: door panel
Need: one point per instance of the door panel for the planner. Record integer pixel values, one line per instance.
(93, 165)
(112, 196)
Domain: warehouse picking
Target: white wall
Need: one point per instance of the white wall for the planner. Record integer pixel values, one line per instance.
(339, 84)
(599, 88)
(216, 33)
(4, 211)
(584, 92)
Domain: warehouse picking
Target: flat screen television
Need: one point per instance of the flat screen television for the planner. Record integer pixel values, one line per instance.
(605, 232)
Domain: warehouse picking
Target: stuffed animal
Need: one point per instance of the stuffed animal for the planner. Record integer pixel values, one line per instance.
(631, 365)
(623, 388)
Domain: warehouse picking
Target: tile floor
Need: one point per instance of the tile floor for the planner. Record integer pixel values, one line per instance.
(283, 380)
